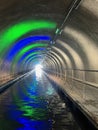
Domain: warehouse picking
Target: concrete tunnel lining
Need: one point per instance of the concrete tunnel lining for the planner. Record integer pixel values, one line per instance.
(81, 30)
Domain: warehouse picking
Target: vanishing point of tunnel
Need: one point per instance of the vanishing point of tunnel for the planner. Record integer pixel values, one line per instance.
(48, 64)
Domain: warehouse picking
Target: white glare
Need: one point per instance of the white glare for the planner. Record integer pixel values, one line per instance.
(38, 70)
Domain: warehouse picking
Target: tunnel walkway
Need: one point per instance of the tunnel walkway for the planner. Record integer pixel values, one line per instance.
(84, 97)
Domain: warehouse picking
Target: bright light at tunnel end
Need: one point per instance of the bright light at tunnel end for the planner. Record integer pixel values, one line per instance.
(38, 70)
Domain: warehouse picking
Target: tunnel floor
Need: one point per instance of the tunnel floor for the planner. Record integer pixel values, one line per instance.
(33, 104)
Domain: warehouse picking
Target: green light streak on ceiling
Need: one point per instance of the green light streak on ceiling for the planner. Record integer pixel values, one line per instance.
(27, 48)
(15, 61)
(11, 34)
(31, 55)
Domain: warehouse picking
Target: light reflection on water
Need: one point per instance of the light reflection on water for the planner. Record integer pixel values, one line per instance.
(34, 125)
(28, 109)
(33, 104)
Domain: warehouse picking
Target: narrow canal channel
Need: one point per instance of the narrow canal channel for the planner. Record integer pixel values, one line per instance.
(33, 104)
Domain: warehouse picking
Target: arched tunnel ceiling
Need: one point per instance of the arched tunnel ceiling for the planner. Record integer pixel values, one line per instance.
(61, 29)
(16, 10)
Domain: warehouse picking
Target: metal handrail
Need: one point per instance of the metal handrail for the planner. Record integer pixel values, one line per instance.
(84, 82)
(89, 70)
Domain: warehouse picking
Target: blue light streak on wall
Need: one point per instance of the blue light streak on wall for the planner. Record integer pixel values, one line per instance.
(29, 52)
(22, 43)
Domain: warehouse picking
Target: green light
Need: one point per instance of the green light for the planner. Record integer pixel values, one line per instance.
(24, 50)
(57, 31)
(27, 48)
(32, 59)
(11, 34)
(34, 113)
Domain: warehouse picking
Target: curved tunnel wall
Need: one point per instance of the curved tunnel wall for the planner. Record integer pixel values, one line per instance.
(16, 51)
(74, 54)
(78, 44)
(69, 52)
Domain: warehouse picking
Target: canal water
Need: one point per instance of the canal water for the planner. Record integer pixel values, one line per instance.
(33, 104)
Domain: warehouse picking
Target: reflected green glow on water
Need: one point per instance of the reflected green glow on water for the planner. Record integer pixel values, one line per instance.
(32, 104)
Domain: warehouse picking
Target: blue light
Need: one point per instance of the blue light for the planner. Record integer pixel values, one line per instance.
(29, 99)
(35, 125)
(24, 42)
(29, 52)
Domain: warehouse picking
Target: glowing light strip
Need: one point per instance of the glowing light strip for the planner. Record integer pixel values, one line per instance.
(11, 34)
(31, 56)
(15, 61)
(23, 43)
(22, 52)
(26, 61)
(29, 52)
(9, 50)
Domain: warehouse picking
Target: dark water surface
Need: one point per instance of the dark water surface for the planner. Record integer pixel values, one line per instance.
(33, 104)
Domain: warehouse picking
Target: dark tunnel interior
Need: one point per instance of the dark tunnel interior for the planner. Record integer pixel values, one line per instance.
(61, 36)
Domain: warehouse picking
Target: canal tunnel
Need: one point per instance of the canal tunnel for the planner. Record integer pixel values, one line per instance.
(60, 37)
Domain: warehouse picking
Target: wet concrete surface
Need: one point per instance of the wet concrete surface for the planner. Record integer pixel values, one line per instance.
(85, 118)
(62, 117)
